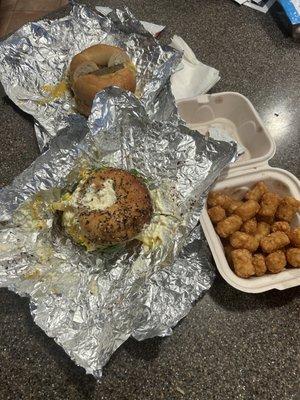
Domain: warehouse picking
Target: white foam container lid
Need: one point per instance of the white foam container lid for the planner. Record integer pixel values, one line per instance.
(235, 113)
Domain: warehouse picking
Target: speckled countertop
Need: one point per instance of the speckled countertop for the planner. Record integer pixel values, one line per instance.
(232, 345)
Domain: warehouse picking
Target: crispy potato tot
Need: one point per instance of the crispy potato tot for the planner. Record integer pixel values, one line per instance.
(228, 226)
(216, 214)
(263, 229)
(212, 198)
(242, 263)
(282, 226)
(247, 210)
(293, 257)
(241, 240)
(256, 192)
(260, 222)
(268, 220)
(233, 206)
(294, 236)
(227, 250)
(287, 208)
(218, 199)
(223, 200)
(249, 226)
(276, 261)
(274, 241)
(269, 204)
(258, 261)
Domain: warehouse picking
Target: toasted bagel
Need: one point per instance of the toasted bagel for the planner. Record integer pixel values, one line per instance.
(127, 210)
(94, 69)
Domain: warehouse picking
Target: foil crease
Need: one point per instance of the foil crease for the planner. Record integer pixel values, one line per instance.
(90, 303)
(35, 59)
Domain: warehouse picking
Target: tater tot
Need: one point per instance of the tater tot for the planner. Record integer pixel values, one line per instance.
(223, 200)
(282, 226)
(269, 204)
(216, 214)
(276, 261)
(241, 240)
(228, 249)
(228, 226)
(293, 257)
(263, 229)
(258, 261)
(247, 210)
(287, 208)
(218, 199)
(267, 219)
(242, 263)
(212, 198)
(294, 236)
(250, 226)
(274, 241)
(234, 204)
(256, 192)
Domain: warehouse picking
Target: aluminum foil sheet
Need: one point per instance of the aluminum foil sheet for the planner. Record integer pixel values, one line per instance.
(34, 63)
(91, 302)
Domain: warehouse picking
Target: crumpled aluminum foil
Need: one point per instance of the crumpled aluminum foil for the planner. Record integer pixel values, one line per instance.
(35, 59)
(90, 303)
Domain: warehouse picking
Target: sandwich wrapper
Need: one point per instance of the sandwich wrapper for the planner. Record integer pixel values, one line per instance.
(191, 78)
(34, 64)
(152, 28)
(91, 302)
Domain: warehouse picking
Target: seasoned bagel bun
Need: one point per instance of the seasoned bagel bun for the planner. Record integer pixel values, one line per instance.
(110, 206)
(97, 68)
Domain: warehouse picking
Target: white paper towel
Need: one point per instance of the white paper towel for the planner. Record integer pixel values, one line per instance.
(192, 78)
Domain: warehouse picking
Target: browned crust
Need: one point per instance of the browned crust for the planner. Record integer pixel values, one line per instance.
(83, 108)
(87, 86)
(126, 218)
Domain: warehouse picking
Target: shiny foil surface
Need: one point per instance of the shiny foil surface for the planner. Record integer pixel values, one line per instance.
(91, 302)
(34, 64)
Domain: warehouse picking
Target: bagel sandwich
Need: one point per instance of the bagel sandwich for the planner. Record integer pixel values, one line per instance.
(108, 207)
(97, 68)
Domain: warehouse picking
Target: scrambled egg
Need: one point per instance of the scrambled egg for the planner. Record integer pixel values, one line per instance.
(157, 233)
(164, 221)
(54, 92)
(31, 214)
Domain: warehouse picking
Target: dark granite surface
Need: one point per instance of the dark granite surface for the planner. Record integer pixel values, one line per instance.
(232, 345)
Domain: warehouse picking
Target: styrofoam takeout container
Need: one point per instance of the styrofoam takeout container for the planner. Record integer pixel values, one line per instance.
(234, 112)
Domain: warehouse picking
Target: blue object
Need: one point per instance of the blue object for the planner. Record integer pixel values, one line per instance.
(291, 11)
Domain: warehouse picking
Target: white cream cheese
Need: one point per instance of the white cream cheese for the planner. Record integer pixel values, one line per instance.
(100, 199)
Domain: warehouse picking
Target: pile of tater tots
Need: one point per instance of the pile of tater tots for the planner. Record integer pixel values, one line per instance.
(257, 232)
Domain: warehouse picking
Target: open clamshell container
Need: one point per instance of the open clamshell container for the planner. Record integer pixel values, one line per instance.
(234, 113)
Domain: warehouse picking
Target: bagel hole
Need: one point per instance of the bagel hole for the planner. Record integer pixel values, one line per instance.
(107, 70)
